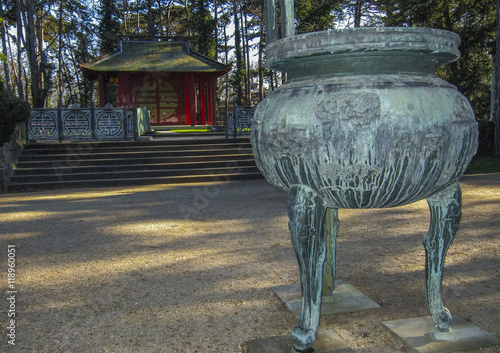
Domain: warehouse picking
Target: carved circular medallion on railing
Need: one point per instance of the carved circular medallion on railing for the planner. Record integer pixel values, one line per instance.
(109, 124)
(43, 124)
(76, 124)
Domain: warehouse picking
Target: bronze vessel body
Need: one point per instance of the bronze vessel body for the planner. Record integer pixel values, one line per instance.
(363, 122)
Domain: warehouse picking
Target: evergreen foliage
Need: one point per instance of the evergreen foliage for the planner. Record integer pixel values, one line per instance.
(12, 111)
(82, 30)
(109, 27)
(315, 15)
(203, 25)
(474, 22)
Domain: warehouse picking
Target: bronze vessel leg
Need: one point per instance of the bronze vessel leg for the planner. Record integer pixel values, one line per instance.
(311, 238)
(445, 209)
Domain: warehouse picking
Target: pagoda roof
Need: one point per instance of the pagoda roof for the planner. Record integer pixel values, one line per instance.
(154, 56)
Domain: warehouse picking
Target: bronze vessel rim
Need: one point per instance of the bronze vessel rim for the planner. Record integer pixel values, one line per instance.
(440, 45)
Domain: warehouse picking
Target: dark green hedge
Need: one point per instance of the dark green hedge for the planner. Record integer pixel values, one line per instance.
(12, 111)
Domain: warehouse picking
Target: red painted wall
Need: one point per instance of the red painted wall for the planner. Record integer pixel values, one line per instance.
(169, 96)
(163, 94)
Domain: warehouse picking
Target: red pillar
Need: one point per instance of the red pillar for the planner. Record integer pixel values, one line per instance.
(214, 101)
(203, 101)
(158, 99)
(211, 101)
(124, 89)
(192, 99)
(187, 98)
(102, 90)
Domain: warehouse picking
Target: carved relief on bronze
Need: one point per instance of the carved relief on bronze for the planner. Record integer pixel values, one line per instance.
(357, 108)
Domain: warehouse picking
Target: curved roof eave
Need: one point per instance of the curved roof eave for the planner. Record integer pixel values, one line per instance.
(144, 56)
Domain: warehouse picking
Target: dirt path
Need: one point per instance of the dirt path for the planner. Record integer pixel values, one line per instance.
(189, 268)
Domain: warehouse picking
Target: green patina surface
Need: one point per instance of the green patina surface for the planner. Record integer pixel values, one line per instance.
(363, 123)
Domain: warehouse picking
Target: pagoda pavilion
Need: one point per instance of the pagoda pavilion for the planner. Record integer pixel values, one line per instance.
(175, 83)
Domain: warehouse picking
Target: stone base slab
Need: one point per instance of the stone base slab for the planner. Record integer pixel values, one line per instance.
(345, 298)
(421, 335)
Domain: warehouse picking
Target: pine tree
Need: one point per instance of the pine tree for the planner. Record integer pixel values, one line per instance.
(203, 25)
(109, 26)
(315, 15)
(474, 22)
(496, 89)
(239, 74)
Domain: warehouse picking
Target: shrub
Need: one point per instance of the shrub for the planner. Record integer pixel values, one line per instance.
(12, 111)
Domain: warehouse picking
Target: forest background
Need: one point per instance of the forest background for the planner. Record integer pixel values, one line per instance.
(43, 41)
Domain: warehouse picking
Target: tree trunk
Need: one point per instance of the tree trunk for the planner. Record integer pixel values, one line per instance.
(358, 6)
(261, 64)
(248, 74)
(80, 88)
(15, 81)
(125, 17)
(67, 75)
(138, 18)
(226, 76)
(59, 68)
(151, 24)
(167, 21)
(239, 58)
(41, 55)
(216, 27)
(4, 48)
(496, 93)
(32, 53)
(244, 52)
(160, 19)
(186, 7)
(20, 88)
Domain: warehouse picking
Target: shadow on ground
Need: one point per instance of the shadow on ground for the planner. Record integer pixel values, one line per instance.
(189, 268)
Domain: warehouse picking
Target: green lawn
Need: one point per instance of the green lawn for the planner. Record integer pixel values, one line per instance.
(484, 165)
(190, 130)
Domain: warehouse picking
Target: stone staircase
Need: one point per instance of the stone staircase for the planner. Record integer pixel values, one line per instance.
(95, 164)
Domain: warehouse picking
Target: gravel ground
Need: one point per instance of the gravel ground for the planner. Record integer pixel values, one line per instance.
(189, 268)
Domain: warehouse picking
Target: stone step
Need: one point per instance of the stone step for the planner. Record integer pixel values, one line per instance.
(215, 162)
(26, 157)
(25, 187)
(142, 143)
(93, 164)
(72, 161)
(39, 178)
(86, 148)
